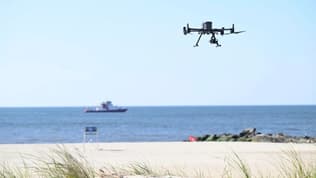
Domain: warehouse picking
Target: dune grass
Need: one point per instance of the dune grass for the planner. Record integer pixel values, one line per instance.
(61, 163)
(138, 169)
(233, 163)
(131, 169)
(293, 166)
(7, 171)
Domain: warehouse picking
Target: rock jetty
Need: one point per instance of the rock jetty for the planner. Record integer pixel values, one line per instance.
(251, 135)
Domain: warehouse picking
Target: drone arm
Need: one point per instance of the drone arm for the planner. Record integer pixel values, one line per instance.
(197, 42)
(187, 30)
(231, 30)
(195, 30)
(222, 29)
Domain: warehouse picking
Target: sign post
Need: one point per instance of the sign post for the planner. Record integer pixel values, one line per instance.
(90, 131)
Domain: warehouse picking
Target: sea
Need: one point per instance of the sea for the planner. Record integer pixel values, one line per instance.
(150, 124)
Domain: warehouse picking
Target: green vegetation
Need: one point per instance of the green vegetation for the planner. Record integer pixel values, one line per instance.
(7, 171)
(60, 163)
(241, 165)
(297, 167)
(291, 166)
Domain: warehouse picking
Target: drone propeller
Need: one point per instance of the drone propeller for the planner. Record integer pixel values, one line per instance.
(232, 29)
(234, 33)
(186, 29)
(239, 32)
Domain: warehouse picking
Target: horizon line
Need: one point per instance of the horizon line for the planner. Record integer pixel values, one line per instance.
(228, 105)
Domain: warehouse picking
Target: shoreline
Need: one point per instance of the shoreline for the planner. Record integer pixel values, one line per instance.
(184, 156)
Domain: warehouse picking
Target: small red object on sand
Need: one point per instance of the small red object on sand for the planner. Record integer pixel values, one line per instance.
(192, 139)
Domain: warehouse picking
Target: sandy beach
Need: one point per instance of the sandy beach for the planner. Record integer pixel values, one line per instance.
(209, 158)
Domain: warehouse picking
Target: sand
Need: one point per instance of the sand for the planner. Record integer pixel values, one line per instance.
(189, 158)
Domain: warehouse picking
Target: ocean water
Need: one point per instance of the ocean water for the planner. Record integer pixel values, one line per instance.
(66, 124)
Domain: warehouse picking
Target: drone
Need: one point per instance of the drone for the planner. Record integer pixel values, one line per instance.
(207, 28)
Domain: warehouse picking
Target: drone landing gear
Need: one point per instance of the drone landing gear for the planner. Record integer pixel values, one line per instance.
(197, 42)
(214, 41)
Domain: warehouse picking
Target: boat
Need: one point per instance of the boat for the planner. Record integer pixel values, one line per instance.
(106, 107)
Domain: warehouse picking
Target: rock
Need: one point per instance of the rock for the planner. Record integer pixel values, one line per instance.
(227, 137)
(278, 139)
(307, 137)
(280, 134)
(290, 140)
(204, 138)
(262, 138)
(244, 139)
(224, 138)
(235, 136)
(248, 132)
(301, 140)
(212, 138)
(260, 134)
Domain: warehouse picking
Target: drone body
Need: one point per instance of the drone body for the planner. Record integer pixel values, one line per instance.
(207, 29)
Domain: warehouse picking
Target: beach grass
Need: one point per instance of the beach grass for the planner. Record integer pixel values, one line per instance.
(290, 166)
(7, 171)
(58, 163)
(241, 166)
(62, 163)
(293, 166)
(139, 169)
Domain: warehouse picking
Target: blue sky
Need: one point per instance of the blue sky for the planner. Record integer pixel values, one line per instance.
(78, 53)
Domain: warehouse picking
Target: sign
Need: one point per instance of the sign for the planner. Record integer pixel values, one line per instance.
(90, 129)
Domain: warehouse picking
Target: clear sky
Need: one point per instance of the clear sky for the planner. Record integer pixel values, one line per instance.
(80, 52)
